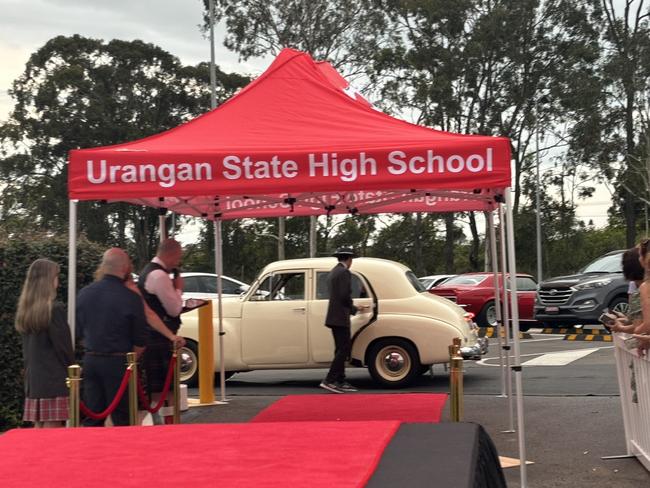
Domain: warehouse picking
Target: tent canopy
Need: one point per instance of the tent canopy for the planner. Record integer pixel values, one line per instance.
(296, 141)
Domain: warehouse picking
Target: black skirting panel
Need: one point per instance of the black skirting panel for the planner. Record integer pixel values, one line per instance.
(447, 455)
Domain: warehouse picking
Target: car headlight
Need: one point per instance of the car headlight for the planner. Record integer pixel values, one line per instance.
(588, 285)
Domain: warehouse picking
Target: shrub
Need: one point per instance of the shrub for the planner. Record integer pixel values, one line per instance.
(16, 254)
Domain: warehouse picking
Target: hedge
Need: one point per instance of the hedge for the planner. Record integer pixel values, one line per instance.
(16, 254)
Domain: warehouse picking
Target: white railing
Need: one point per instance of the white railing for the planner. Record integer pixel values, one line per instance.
(634, 370)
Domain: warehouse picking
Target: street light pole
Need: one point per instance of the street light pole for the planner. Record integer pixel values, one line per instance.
(213, 68)
(538, 220)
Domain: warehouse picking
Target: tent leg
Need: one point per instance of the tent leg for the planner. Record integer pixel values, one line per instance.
(162, 225)
(515, 338)
(506, 320)
(497, 296)
(72, 266)
(218, 261)
(313, 223)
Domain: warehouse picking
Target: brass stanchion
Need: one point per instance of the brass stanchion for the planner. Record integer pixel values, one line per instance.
(177, 387)
(72, 381)
(456, 381)
(132, 364)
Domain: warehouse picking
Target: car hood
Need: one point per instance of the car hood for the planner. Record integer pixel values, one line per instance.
(576, 279)
(230, 307)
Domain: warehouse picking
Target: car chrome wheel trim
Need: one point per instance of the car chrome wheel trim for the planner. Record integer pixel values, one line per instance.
(491, 315)
(393, 363)
(622, 307)
(188, 363)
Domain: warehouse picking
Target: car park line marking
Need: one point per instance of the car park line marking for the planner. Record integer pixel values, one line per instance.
(483, 362)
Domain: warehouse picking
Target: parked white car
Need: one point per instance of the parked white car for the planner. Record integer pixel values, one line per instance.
(204, 285)
(279, 323)
(434, 280)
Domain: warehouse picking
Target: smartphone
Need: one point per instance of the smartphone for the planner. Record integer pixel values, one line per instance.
(631, 343)
(606, 319)
(175, 273)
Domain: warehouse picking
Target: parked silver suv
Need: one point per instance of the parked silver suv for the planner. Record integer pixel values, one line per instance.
(581, 298)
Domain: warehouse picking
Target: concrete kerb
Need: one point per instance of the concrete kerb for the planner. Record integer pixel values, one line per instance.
(491, 332)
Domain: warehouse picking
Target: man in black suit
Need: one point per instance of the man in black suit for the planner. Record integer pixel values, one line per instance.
(339, 310)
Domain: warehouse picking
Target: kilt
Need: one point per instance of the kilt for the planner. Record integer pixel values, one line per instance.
(155, 361)
(45, 409)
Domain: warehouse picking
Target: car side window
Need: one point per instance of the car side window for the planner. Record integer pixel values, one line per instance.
(230, 287)
(191, 284)
(322, 293)
(281, 286)
(524, 283)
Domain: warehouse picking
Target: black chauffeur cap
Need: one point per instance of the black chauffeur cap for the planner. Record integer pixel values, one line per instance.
(344, 252)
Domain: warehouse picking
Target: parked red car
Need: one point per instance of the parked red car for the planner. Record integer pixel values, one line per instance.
(475, 293)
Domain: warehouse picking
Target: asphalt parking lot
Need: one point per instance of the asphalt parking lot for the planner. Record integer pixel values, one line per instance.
(572, 414)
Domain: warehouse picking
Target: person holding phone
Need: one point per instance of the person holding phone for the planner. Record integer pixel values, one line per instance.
(637, 320)
(164, 296)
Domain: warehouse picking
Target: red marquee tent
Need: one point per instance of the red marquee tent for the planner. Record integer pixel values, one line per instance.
(296, 140)
(300, 141)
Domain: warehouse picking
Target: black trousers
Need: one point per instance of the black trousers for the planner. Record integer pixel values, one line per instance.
(342, 349)
(102, 376)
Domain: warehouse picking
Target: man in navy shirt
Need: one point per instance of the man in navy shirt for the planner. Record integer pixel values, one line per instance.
(111, 322)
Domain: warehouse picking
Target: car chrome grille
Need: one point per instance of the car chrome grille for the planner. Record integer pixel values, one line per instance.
(554, 296)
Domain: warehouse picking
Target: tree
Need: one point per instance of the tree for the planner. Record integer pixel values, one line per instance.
(78, 92)
(626, 69)
(342, 32)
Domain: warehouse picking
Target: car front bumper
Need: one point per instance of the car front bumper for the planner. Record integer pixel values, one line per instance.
(477, 350)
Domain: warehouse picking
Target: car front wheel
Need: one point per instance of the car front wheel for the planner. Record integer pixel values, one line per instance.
(189, 357)
(488, 315)
(393, 363)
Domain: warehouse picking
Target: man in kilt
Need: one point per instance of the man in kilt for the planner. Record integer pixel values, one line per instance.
(163, 295)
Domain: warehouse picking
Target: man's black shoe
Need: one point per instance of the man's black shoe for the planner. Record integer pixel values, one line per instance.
(333, 387)
(345, 386)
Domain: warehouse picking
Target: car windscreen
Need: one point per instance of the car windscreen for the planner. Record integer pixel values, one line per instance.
(611, 263)
(414, 281)
(466, 279)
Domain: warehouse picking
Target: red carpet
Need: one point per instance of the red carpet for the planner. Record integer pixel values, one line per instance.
(320, 454)
(406, 407)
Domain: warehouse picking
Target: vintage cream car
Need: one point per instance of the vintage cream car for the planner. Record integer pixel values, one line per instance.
(278, 323)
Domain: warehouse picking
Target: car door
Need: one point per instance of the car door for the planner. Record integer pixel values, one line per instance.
(526, 292)
(320, 337)
(274, 320)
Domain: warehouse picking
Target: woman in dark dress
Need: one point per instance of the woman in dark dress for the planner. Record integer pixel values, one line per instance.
(47, 346)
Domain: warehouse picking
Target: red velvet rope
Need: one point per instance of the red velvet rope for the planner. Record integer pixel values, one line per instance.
(111, 408)
(168, 383)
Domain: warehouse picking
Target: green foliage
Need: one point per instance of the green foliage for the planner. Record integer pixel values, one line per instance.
(17, 252)
(77, 92)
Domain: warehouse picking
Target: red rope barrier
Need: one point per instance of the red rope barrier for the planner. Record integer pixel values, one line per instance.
(166, 387)
(111, 408)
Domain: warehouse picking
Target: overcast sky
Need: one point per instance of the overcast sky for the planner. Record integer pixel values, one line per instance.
(25, 25)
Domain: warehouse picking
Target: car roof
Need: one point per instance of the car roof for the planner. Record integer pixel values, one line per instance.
(388, 278)
(186, 274)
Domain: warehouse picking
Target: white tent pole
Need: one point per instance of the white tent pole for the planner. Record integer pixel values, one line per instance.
(218, 263)
(512, 267)
(72, 267)
(313, 222)
(506, 319)
(497, 295)
(162, 226)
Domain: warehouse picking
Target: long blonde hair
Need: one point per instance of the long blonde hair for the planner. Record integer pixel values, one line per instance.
(35, 303)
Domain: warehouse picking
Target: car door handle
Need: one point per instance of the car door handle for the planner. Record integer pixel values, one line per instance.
(299, 309)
